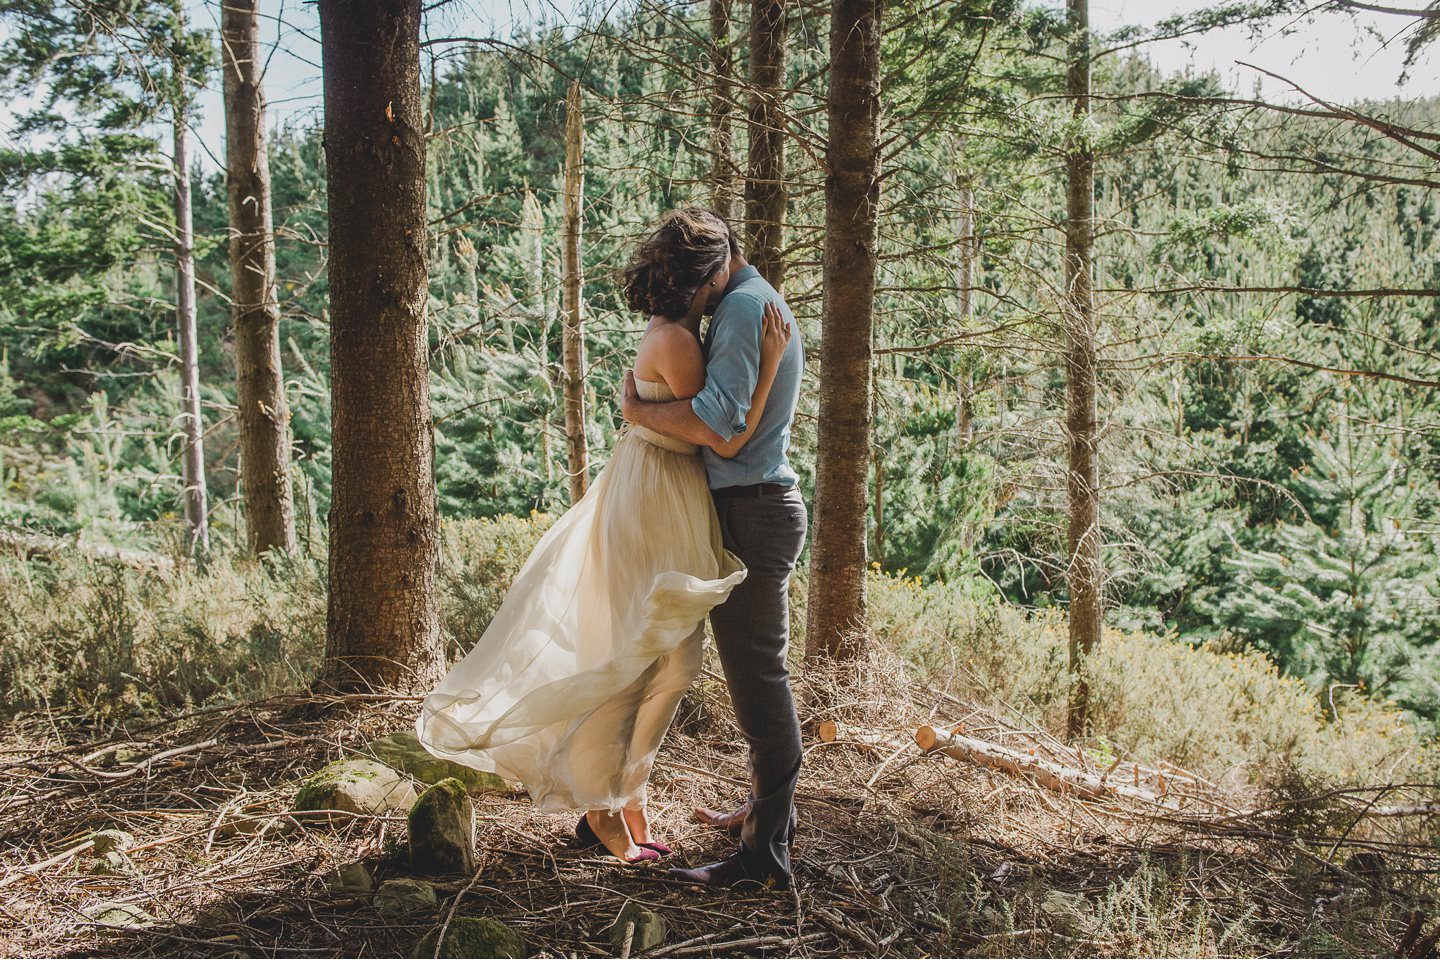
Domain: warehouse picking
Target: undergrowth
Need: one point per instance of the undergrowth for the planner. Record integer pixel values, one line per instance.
(116, 638)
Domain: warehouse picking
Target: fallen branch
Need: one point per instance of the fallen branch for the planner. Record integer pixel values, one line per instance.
(46, 863)
(757, 942)
(1404, 811)
(1046, 774)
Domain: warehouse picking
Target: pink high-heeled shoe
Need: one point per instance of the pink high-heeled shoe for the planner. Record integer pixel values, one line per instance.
(587, 838)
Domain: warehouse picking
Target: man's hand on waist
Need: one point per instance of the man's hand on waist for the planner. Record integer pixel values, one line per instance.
(630, 396)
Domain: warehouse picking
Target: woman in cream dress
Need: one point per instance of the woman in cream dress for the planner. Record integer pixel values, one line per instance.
(572, 687)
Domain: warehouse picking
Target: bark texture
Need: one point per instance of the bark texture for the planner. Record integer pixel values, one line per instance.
(765, 193)
(255, 312)
(724, 198)
(1084, 576)
(384, 531)
(193, 462)
(852, 196)
(572, 347)
(966, 253)
(542, 311)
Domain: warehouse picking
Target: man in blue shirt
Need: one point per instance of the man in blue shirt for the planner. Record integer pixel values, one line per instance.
(763, 518)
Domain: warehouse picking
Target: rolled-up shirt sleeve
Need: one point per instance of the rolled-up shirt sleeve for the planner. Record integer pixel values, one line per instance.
(732, 366)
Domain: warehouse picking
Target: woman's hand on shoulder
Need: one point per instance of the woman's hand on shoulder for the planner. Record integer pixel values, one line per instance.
(774, 336)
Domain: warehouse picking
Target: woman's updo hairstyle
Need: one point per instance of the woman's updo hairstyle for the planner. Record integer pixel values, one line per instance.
(675, 260)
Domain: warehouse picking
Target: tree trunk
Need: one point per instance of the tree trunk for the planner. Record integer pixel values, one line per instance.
(542, 309)
(965, 255)
(196, 510)
(852, 195)
(573, 346)
(384, 522)
(723, 197)
(765, 174)
(879, 551)
(1081, 425)
(264, 412)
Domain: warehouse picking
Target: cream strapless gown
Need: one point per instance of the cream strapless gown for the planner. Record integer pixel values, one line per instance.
(572, 687)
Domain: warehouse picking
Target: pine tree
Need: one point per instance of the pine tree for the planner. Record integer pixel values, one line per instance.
(1346, 596)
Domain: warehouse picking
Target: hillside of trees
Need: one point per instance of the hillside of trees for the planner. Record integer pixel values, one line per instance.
(1266, 328)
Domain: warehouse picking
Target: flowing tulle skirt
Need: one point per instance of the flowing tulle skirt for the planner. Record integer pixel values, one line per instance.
(572, 687)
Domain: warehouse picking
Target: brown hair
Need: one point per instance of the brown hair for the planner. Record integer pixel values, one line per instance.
(688, 247)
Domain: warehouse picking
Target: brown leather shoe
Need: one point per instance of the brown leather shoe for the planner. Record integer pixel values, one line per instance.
(731, 822)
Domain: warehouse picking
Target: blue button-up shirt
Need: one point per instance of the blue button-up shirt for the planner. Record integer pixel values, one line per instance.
(732, 367)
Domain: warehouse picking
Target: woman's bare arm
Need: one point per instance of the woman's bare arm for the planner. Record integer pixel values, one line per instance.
(774, 338)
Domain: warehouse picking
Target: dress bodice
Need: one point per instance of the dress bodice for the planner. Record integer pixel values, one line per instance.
(654, 390)
(660, 391)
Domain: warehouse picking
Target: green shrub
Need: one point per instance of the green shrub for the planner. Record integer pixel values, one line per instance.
(478, 562)
(101, 634)
(1231, 716)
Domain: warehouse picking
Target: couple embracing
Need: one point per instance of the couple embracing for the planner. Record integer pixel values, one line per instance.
(572, 687)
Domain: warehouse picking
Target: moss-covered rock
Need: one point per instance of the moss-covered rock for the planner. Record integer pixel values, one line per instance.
(125, 754)
(117, 914)
(404, 752)
(399, 896)
(1067, 911)
(114, 864)
(358, 787)
(255, 821)
(350, 878)
(470, 938)
(112, 840)
(649, 928)
(441, 830)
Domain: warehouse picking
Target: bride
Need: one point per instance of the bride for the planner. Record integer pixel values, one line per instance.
(572, 687)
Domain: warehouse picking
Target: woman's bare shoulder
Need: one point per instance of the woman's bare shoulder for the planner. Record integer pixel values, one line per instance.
(663, 345)
(673, 336)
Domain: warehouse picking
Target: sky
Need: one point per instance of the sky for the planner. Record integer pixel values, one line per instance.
(1333, 56)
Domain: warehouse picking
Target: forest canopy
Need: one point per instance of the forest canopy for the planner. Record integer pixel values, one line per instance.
(1266, 277)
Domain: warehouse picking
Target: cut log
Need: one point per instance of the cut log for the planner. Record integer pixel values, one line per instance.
(829, 731)
(1021, 764)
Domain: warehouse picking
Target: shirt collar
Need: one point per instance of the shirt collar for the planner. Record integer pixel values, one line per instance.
(742, 274)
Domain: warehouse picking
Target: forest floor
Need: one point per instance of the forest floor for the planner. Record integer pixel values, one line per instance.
(899, 853)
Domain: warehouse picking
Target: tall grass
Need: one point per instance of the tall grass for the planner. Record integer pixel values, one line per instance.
(1224, 712)
(81, 631)
(114, 638)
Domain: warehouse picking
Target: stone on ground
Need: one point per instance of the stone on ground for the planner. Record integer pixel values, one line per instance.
(470, 938)
(125, 754)
(404, 752)
(1068, 910)
(350, 878)
(399, 896)
(112, 840)
(441, 828)
(253, 821)
(649, 928)
(117, 914)
(357, 786)
(114, 864)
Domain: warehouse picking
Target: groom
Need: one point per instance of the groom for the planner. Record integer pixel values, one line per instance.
(763, 519)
